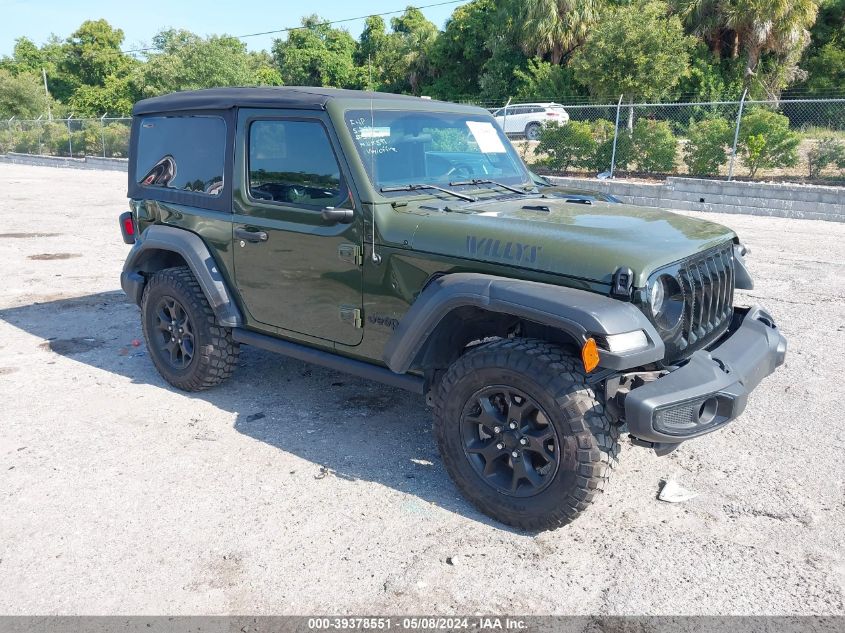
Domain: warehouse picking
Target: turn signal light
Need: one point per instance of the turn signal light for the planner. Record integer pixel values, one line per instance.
(590, 355)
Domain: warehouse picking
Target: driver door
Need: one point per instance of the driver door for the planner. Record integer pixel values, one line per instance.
(296, 271)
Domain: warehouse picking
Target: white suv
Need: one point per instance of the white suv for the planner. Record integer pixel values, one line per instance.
(528, 118)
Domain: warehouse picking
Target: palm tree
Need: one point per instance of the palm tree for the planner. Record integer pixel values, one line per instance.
(768, 26)
(555, 27)
(754, 26)
(703, 19)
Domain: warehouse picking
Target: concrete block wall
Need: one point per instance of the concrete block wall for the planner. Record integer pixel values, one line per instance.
(88, 162)
(811, 202)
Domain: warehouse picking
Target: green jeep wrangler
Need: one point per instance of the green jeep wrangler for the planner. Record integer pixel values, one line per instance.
(403, 240)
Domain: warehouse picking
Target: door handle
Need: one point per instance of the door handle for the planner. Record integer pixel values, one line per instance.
(251, 236)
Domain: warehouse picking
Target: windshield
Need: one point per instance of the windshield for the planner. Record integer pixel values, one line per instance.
(403, 148)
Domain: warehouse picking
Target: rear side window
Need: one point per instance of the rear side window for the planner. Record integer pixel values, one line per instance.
(293, 162)
(182, 152)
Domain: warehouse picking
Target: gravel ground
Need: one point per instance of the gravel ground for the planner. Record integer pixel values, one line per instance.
(293, 489)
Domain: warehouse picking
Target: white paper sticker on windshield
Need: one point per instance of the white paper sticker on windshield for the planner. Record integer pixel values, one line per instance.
(487, 137)
(375, 132)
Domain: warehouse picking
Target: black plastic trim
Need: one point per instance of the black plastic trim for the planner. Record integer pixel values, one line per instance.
(752, 350)
(158, 238)
(368, 371)
(579, 313)
(743, 280)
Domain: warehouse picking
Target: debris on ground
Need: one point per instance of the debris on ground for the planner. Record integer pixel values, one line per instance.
(673, 492)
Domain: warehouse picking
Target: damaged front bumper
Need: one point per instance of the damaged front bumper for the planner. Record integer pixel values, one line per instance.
(711, 389)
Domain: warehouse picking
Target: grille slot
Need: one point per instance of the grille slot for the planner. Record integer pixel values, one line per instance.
(707, 280)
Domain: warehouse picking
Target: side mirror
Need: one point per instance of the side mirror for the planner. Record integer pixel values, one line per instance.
(337, 216)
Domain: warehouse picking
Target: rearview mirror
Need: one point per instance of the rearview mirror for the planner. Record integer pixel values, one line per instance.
(337, 216)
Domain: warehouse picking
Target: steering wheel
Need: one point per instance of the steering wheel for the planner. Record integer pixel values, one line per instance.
(461, 169)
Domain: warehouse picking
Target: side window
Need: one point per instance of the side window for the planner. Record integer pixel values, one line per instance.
(293, 161)
(182, 152)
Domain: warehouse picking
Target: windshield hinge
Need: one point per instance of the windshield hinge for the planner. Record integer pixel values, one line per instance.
(350, 253)
(351, 316)
(623, 283)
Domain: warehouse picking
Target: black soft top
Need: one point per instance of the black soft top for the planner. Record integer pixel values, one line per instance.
(300, 97)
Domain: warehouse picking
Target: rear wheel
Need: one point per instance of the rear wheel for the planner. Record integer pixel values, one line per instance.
(186, 345)
(522, 434)
(532, 131)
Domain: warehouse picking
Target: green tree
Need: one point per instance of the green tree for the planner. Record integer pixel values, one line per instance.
(414, 36)
(765, 141)
(705, 20)
(460, 52)
(543, 81)
(90, 55)
(373, 53)
(826, 68)
(185, 61)
(21, 96)
(707, 146)
(777, 26)
(316, 55)
(114, 98)
(636, 50)
(751, 29)
(565, 146)
(263, 70)
(26, 57)
(554, 28)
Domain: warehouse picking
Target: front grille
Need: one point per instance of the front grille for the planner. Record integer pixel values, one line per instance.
(707, 280)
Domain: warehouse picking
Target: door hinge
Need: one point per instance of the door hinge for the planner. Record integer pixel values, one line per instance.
(350, 253)
(351, 316)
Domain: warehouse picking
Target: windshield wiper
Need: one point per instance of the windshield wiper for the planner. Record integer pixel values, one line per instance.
(480, 181)
(419, 186)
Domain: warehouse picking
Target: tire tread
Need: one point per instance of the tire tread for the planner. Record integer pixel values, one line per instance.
(562, 375)
(219, 357)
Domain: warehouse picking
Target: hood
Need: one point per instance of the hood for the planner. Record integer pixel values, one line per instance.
(551, 234)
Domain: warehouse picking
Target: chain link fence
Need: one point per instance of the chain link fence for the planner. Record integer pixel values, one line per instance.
(790, 140)
(105, 137)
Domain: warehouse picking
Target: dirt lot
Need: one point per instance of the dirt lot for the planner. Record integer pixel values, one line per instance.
(292, 489)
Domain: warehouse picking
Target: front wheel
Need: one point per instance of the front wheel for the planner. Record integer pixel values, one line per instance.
(522, 434)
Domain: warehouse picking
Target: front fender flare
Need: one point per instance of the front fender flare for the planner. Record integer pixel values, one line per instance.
(579, 313)
(158, 238)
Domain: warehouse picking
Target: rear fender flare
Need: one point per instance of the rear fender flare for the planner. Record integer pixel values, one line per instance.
(157, 240)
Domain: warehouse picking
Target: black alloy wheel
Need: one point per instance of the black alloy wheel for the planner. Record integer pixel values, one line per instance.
(509, 441)
(187, 346)
(174, 336)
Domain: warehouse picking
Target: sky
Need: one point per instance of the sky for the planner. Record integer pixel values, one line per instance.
(141, 20)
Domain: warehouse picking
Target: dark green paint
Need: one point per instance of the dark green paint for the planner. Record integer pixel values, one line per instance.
(296, 284)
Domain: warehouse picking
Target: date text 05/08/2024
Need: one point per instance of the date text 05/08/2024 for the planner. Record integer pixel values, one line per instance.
(476, 623)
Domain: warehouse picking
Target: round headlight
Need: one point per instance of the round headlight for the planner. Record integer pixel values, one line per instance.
(666, 301)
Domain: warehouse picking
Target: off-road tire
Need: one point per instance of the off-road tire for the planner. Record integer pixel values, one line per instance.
(556, 380)
(215, 353)
(532, 131)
